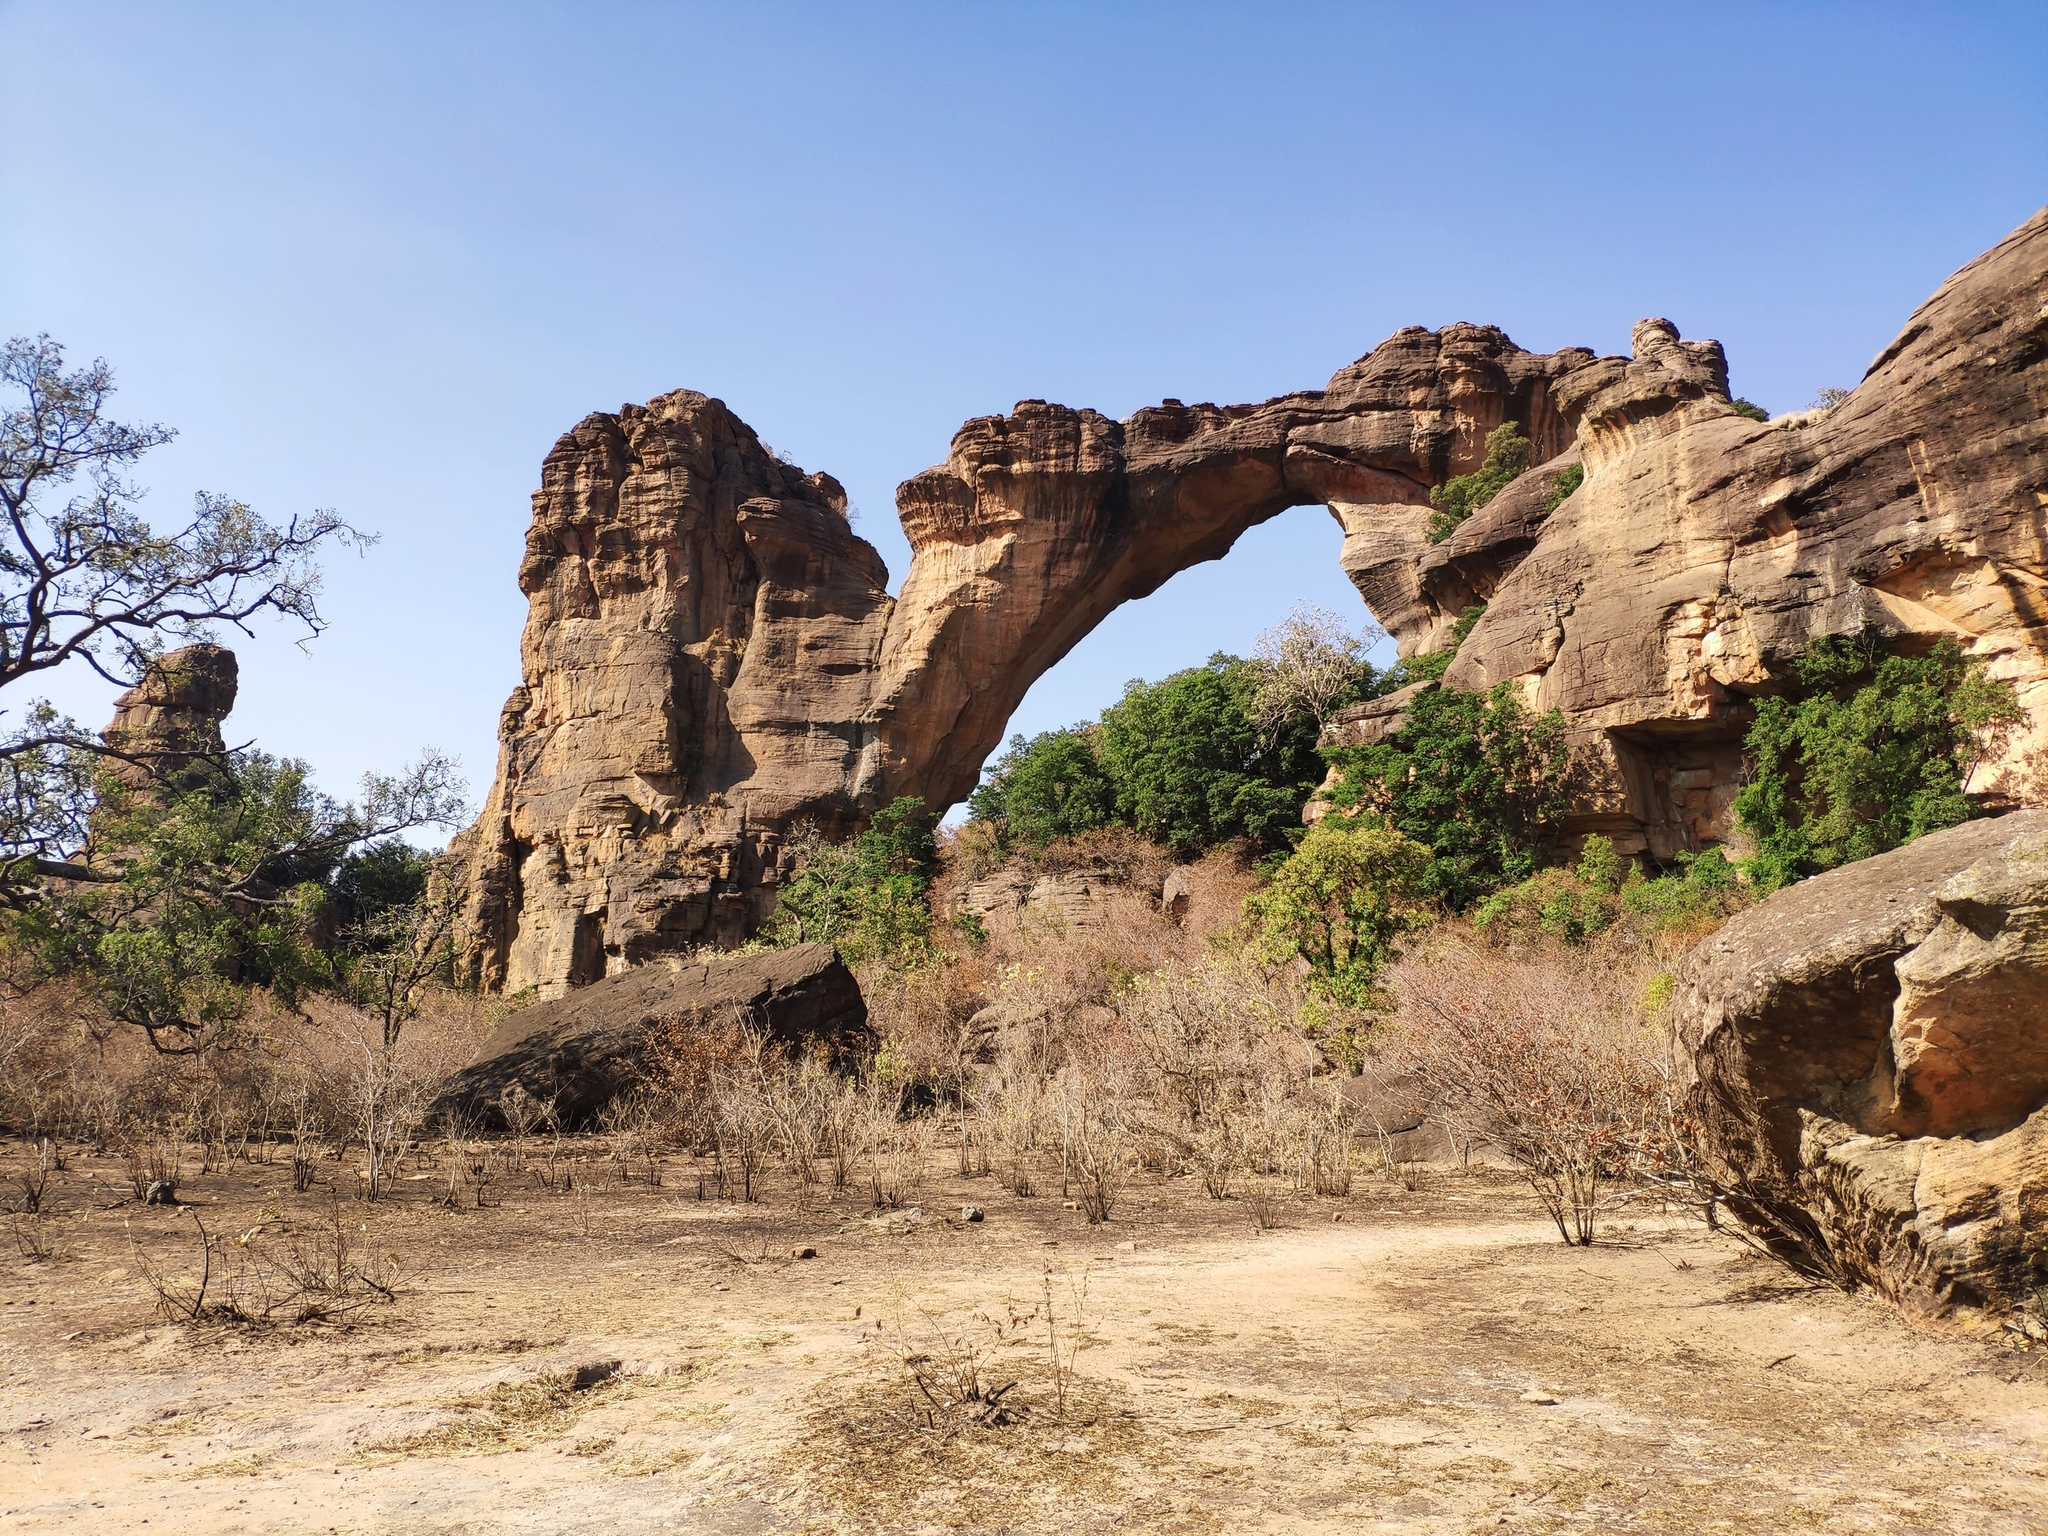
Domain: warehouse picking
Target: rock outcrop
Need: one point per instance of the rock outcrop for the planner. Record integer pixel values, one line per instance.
(172, 718)
(577, 1053)
(1866, 1054)
(712, 657)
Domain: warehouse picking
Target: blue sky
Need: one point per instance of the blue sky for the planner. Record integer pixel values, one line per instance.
(377, 258)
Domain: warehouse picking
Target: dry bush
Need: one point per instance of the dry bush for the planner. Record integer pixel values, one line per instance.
(1006, 1103)
(688, 1060)
(896, 1149)
(34, 1180)
(1216, 885)
(631, 1127)
(376, 1094)
(1543, 1055)
(1092, 1106)
(967, 1376)
(273, 1273)
(318, 1076)
(952, 1374)
(35, 1239)
(921, 1014)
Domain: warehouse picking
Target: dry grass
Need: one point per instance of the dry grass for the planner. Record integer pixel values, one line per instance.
(507, 1417)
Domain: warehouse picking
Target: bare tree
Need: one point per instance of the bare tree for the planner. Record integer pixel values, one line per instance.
(1310, 663)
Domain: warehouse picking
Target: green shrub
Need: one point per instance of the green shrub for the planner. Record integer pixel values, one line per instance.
(867, 895)
(215, 882)
(1750, 409)
(1048, 787)
(1340, 902)
(1573, 903)
(1475, 778)
(377, 879)
(1192, 770)
(1419, 669)
(1567, 481)
(1508, 453)
(1868, 752)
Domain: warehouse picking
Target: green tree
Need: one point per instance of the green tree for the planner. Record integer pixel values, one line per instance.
(1508, 454)
(197, 892)
(1867, 753)
(867, 896)
(1475, 778)
(87, 582)
(378, 878)
(1051, 786)
(1192, 770)
(1420, 669)
(1340, 903)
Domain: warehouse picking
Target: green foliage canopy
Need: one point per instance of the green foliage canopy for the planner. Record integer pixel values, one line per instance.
(1568, 480)
(1573, 903)
(866, 895)
(1473, 777)
(1048, 787)
(1867, 753)
(1340, 903)
(1191, 769)
(1508, 453)
(204, 887)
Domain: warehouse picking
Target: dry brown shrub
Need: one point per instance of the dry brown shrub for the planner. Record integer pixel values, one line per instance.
(276, 1272)
(1544, 1055)
(306, 1077)
(686, 1061)
(920, 1015)
(1217, 884)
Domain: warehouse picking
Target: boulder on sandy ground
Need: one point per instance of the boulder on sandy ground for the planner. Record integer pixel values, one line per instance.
(580, 1051)
(1866, 1054)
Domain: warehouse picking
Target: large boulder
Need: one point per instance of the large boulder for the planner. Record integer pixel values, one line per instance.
(579, 1052)
(1866, 1056)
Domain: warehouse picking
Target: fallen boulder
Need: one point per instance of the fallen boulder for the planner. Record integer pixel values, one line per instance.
(580, 1051)
(1865, 1055)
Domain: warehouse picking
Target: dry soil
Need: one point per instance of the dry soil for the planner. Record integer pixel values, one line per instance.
(628, 1358)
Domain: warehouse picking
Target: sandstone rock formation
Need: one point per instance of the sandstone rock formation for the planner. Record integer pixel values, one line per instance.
(173, 716)
(1867, 1054)
(577, 1053)
(712, 657)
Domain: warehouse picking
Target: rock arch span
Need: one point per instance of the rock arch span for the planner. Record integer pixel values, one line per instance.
(711, 656)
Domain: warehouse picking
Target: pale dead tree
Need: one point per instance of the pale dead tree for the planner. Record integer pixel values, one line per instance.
(1310, 663)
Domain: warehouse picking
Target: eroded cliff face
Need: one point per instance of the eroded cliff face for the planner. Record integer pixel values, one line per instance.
(712, 658)
(1705, 551)
(702, 630)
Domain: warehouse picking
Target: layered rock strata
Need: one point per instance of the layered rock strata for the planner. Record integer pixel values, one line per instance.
(712, 657)
(1866, 1054)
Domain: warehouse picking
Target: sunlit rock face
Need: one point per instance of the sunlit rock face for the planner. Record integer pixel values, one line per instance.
(171, 719)
(712, 659)
(1866, 1057)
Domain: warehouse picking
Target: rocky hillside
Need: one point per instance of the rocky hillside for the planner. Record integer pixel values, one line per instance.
(711, 656)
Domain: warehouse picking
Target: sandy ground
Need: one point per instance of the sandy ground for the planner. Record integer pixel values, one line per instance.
(1427, 1359)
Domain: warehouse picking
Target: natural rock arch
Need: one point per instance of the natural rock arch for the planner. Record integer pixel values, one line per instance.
(712, 657)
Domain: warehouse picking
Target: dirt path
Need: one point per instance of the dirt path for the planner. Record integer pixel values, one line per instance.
(1433, 1360)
